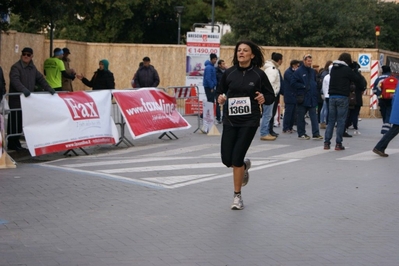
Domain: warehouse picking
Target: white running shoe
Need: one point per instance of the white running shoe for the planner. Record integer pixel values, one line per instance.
(356, 132)
(238, 203)
(245, 179)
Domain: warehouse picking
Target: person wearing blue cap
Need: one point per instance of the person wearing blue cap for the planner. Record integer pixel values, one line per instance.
(102, 79)
(54, 70)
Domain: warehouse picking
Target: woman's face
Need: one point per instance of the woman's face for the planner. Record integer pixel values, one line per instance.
(101, 65)
(244, 55)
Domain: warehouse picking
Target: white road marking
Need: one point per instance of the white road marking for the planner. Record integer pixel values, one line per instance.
(173, 167)
(301, 154)
(366, 156)
(252, 149)
(127, 161)
(169, 180)
(184, 150)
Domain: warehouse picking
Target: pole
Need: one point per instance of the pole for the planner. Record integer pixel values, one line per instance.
(213, 14)
(178, 29)
(51, 36)
(376, 42)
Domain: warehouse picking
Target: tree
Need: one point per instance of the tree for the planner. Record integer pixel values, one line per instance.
(316, 23)
(139, 21)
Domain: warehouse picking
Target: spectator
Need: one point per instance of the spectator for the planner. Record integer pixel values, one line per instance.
(343, 72)
(278, 58)
(133, 82)
(209, 80)
(320, 77)
(146, 75)
(23, 78)
(243, 88)
(392, 132)
(273, 74)
(103, 79)
(385, 104)
(66, 82)
(220, 69)
(54, 69)
(324, 110)
(304, 81)
(289, 98)
(354, 111)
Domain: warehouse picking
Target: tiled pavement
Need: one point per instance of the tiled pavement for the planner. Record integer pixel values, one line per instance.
(304, 205)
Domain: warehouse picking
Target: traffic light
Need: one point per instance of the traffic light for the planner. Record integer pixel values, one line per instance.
(377, 30)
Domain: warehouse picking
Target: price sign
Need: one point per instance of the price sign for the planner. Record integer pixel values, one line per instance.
(194, 51)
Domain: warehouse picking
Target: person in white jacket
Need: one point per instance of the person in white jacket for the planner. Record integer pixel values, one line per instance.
(324, 110)
(273, 74)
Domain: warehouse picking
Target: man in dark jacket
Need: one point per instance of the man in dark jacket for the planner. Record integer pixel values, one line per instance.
(304, 81)
(289, 98)
(146, 75)
(343, 72)
(220, 69)
(23, 78)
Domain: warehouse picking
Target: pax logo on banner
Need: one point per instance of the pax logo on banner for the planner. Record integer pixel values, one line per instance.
(80, 105)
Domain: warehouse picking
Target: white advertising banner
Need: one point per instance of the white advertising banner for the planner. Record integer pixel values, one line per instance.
(65, 121)
(199, 46)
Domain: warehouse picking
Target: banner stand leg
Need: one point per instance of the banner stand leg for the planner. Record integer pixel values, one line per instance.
(74, 152)
(166, 134)
(122, 138)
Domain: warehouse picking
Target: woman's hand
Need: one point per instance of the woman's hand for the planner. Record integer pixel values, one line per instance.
(259, 97)
(221, 99)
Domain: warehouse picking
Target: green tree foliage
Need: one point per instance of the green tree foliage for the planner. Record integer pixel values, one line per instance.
(314, 23)
(139, 21)
(389, 14)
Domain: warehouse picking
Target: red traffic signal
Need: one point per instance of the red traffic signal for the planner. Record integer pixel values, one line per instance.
(377, 30)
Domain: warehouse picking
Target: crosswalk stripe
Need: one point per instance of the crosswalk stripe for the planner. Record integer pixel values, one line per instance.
(252, 149)
(129, 150)
(263, 166)
(169, 180)
(184, 150)
(366, 156)
(301, 154)
(265, 147)
(174, 167)
(127, 161)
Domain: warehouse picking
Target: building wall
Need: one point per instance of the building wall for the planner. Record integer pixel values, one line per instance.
(169, 60)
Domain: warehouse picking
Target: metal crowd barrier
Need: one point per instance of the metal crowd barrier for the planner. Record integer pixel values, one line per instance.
(120, 121)
(7, 114)
(187, 100)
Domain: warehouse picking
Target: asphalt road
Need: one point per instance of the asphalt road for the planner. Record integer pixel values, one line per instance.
(167, 202)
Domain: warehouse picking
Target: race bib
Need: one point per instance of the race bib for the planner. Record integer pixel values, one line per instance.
(239, 106)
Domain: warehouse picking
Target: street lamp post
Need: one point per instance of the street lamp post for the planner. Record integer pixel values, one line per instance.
(179, 10)
(377, 33)
(213, 14)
